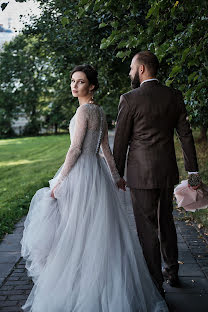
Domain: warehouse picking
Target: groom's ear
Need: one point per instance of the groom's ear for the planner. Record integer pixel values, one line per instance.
(141, 69)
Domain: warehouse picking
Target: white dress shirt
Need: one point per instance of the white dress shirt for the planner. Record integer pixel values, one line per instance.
(148, 80)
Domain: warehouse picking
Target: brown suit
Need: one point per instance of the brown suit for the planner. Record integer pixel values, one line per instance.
(146, 121)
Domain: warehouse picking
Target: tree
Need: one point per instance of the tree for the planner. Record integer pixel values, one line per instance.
(180, 41)
(175, 31)
(8, 108)
(27, 82)
(105, 34)
(55, 47)
(22, 77)
(74, 39)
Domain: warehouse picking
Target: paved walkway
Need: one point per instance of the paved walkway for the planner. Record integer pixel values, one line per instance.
(193, 258)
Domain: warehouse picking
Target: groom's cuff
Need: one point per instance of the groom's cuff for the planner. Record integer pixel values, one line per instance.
(194, 172)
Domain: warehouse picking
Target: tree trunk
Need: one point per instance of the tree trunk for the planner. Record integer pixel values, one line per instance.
(203, 133)
(56, 128)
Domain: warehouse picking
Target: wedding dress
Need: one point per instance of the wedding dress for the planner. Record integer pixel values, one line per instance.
(80, 248)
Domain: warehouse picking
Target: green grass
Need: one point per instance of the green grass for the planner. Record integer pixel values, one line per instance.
(201, 216)
(26, 164)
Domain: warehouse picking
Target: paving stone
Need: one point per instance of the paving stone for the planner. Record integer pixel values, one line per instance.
(5, 269)
(20, 223)
(11, 238)
(186, 257)
(23, 286)
(17, 283)
(11, 309)
(14, 278)
(17, 297)
(19, 270)
(183, 246)
(199, 254)
(18, 230)
(24, 278)
(197, 285)
(179, 236)
(8, 247)
(187, 302)
(190, 269)
(17, 274)
(9, 257)
(12, 292)
(202, 261)
(6, 287)
(9, 303)
(199, 249)
(2, 298)
(21, 302)
(21, 266)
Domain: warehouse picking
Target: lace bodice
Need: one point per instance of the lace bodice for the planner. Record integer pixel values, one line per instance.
(88, 131)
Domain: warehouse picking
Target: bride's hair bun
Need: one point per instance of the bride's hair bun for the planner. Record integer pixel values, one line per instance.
(90, 72)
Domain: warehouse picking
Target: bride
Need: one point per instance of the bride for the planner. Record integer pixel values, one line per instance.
(78, 242)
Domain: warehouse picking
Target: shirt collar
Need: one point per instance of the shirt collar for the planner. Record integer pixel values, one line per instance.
(152, 79)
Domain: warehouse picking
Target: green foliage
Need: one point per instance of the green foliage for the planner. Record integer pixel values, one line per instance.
(175, 31)
(22, 80)
(107, 35)
(4, 5)
(38, 64)
(182, 46)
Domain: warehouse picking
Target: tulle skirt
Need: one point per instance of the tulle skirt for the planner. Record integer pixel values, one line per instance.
(82, 250)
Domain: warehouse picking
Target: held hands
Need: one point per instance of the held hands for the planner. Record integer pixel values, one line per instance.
(121, 184)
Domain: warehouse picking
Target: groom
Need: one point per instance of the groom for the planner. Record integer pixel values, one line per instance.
(147, 118)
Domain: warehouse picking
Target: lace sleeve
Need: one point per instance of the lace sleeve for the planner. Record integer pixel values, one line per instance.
(81, 120)
(109, 156)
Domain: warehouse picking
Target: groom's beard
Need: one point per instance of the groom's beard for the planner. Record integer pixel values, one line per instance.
(135, 83)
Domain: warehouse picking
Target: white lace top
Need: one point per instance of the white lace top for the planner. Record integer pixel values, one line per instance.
(88, 130)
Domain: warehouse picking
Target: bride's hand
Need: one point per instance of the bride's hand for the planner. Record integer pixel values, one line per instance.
(121, 184)
(52, 192)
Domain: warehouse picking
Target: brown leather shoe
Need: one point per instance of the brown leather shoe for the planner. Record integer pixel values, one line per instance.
(171, 279)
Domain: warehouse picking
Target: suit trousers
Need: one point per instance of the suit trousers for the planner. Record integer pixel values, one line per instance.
(156, 229)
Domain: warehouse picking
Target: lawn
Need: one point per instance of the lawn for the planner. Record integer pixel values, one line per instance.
(26, 164)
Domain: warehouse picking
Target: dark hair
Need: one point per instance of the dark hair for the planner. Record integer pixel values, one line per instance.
(150, 60)
(90, 72)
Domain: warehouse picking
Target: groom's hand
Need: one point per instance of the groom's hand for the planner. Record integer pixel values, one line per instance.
(121, 184)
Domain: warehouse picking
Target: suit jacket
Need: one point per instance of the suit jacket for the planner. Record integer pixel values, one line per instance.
(146, 122)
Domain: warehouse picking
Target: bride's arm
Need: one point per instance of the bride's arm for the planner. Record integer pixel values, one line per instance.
(109, 156)
(75, 149)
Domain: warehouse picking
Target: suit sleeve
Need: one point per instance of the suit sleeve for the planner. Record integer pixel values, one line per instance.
(122, 135)
(186, 138)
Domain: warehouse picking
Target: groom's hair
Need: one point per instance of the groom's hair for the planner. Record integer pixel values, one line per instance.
(148, 59)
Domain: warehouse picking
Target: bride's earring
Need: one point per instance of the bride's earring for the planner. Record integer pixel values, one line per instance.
(92, 98)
